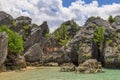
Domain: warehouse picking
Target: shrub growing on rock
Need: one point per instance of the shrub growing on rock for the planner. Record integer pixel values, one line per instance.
(15, 42)
(99, 35)
(111, 19)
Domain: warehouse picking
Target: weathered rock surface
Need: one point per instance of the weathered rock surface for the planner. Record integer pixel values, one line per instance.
(3, 47)
(89, 66)
(33, 54)
(35, 43)
(82, 44)
(44, 27)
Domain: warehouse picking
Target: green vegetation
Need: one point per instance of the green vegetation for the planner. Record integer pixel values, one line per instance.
(62, 35)
(111, 19)
(15, 42)
(87, 56)
(63, 42)
(109, 42)
(99, 35)
(112, 38)
(14, 23)
(26, 28)
(47, 35)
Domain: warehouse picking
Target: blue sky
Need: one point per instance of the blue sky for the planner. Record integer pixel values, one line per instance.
(67, 3)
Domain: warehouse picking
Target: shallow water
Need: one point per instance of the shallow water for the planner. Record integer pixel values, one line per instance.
(52, 73)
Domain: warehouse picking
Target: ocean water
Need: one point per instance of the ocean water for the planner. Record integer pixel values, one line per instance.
(52, 73)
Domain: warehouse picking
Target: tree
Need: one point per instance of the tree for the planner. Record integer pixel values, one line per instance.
(15, 41)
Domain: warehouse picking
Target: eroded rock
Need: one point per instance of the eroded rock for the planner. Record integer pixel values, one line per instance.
(67, 67)
(89, 66)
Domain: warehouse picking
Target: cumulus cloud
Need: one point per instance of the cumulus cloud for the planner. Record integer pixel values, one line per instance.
(55, 13)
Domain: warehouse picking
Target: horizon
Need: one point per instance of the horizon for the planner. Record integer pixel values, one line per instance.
(56, 12)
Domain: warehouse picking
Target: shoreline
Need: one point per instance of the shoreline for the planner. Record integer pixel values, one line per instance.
(29, 68)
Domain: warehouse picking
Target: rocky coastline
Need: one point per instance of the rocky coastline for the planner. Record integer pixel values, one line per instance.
(84, 49)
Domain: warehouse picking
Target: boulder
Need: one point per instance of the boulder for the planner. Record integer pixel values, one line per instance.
(15, 61)
(67, 67)
(89, 66)
(3, 47)
(34, 53)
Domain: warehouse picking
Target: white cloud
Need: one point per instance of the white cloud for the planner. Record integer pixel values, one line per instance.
(54, 13)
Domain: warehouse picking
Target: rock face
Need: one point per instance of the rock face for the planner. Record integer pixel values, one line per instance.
(112, 48)
(3, 47)
(44, 27)
(35, 43)
(83, 46)
(89, 66)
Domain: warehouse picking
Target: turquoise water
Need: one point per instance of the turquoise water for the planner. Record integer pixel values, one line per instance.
(52, 73)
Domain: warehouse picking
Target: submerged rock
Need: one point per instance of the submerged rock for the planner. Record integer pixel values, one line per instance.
(89, 66)
(67, 67)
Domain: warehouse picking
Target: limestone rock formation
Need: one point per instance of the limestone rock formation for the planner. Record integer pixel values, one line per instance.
(33, 36)
(81, 43)
(35, 43)
(84, 44)
(89, 66)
